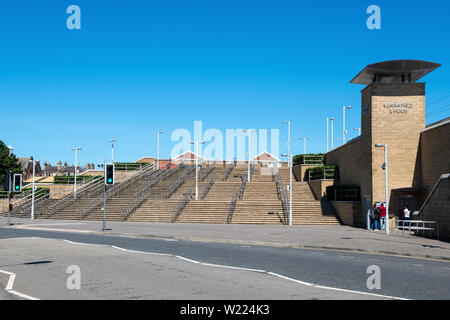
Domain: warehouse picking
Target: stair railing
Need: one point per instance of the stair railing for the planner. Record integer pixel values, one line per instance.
(180, 181)
(187, 196)
(232, 205)
(228, 171)
(143, 172)
(244, 178)
(282, 195)
(205, 172)
(208, 185)
(142, 194)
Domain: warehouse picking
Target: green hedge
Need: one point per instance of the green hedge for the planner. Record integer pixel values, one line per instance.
(312, 158)
(71, 179)
(343, 193)
(319, 173)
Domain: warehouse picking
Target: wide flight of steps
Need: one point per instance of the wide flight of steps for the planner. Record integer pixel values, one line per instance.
(260, 204)
(214, 208)
(306, 210)
(160, 209)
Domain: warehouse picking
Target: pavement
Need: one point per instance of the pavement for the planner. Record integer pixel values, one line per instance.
(309, 237)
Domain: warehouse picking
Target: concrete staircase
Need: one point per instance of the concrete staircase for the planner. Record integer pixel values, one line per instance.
(214, 208)
(159, 209)
(260, 204)
(306, 210)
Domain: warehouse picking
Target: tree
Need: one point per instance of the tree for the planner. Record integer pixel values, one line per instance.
(7, 162)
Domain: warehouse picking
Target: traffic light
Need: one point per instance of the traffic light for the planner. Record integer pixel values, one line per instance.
(109, 174)
(17, 185)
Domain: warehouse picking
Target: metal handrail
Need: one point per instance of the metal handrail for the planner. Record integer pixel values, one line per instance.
(324, 173)
(142, 194)
(180, 181)
(206, 171)
(187, 196)
(228, 171)
(112, 192)
(208, 185)
(244, 178)
(232, 205)
(419, 225)
(282, 195)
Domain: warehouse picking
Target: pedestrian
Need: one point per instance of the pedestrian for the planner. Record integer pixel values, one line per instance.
(406, 215)
(372, 218)
(382, 210)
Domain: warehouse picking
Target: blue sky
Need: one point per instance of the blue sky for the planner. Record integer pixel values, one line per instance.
(136, 67)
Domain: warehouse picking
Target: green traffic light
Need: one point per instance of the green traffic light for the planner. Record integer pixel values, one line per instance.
(109, 180)
(17, 187)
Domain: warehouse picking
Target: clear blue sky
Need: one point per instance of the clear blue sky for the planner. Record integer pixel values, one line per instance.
(136, 67)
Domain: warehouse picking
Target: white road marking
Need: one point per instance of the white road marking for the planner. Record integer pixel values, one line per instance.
(360, 292)
(231, 267)
(144, 252)
(10, 285)
(85, 244)
(290, 279)
(25, 296)
(193, 261)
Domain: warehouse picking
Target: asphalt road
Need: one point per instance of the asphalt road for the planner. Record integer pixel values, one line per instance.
(110, 273)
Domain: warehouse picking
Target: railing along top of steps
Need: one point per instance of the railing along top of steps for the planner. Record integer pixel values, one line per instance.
(187, 196)
(206, 171)
(180, 181)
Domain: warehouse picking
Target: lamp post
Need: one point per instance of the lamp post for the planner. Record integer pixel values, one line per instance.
(9, 188)
(328, 119)
(75, 170)
(290, 187)
(33, 188)
(157, 150)
(112, 151)
(248, 153)
(344, 132)
(196, 166)
(332, 132)
(304, 143)
(385, 167)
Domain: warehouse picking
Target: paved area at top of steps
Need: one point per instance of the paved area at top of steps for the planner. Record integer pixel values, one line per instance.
(325, 237)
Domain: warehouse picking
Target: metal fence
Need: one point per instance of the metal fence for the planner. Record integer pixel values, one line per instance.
(422, 228)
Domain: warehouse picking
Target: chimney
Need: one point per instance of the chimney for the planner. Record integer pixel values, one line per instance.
(59, 165)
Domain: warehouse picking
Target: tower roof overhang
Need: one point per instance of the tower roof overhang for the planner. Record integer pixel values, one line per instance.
(395, 71)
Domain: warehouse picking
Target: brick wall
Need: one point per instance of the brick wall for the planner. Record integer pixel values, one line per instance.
(435, 161)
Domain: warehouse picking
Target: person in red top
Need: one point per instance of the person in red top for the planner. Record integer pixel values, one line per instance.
(382, 210)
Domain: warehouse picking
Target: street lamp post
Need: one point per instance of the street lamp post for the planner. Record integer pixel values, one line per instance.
(196, 166)
(327, 133)
(304, 143)
(9, 188)
(75, 170)
(290, 187)
(157, 150)
(248, 153)
(32, 190)
(385, 167)
(343, 123)
(112, 149)
(332, 132)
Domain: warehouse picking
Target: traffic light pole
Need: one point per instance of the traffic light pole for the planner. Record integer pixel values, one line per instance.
(9, 198)
(104, 208)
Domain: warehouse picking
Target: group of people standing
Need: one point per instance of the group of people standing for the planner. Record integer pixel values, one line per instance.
(378, 216)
